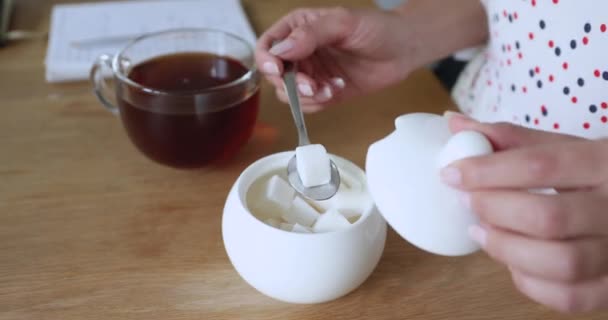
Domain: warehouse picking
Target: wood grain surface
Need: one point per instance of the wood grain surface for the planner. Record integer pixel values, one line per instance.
(91, 229)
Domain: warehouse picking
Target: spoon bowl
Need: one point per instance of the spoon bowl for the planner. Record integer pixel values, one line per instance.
(318, 193)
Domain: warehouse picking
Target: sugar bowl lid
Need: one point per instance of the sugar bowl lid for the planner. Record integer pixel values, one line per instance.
(403, 178)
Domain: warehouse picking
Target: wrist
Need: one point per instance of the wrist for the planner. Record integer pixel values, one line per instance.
(414, 50)
(434, 30)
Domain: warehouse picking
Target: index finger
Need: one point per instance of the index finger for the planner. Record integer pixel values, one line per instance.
(504, 135)
(552, 217)
(265, 61)
(278, 31)
(563, 165)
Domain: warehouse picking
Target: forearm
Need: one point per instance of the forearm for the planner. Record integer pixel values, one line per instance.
(438, 28)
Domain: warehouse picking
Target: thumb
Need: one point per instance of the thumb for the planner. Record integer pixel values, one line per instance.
(329, 29)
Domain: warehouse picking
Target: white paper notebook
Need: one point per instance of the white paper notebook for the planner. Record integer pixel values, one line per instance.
(81, 32)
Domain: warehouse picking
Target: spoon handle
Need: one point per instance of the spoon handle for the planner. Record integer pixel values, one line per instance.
(289, 80)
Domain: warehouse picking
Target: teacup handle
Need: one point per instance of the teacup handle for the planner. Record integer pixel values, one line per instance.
(98, 80)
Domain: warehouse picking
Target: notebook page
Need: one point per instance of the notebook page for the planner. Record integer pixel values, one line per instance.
(77, 28)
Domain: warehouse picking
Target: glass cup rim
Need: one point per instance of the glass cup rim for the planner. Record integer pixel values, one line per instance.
(124, 78)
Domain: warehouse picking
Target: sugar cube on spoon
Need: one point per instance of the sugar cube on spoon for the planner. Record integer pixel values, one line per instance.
(314, 166)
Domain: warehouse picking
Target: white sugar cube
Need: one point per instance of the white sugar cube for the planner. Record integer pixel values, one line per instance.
(347, 200)
(314, 166)
(280, 192)
(298, 228)
(273, 222)
(286, 226)
(330, 221)
(351, 214)
(353, 219)
(301, 212)
(350, 181)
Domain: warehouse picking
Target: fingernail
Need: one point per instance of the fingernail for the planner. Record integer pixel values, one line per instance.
(282, 47)
(326, 93)
(478, 234)
(271, 68)
(338, 82)
(305, 90)
(465, 198)
(451, 176)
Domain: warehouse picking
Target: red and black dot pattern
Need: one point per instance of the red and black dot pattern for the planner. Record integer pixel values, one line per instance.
(544, 67)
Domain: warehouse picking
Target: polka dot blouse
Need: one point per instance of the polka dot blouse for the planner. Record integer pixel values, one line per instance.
(545, 67)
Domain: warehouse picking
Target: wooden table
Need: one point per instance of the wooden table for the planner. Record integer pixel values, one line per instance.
(90, 229)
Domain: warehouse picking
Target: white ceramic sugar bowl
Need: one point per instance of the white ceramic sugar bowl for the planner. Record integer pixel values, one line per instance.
(296, 267)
